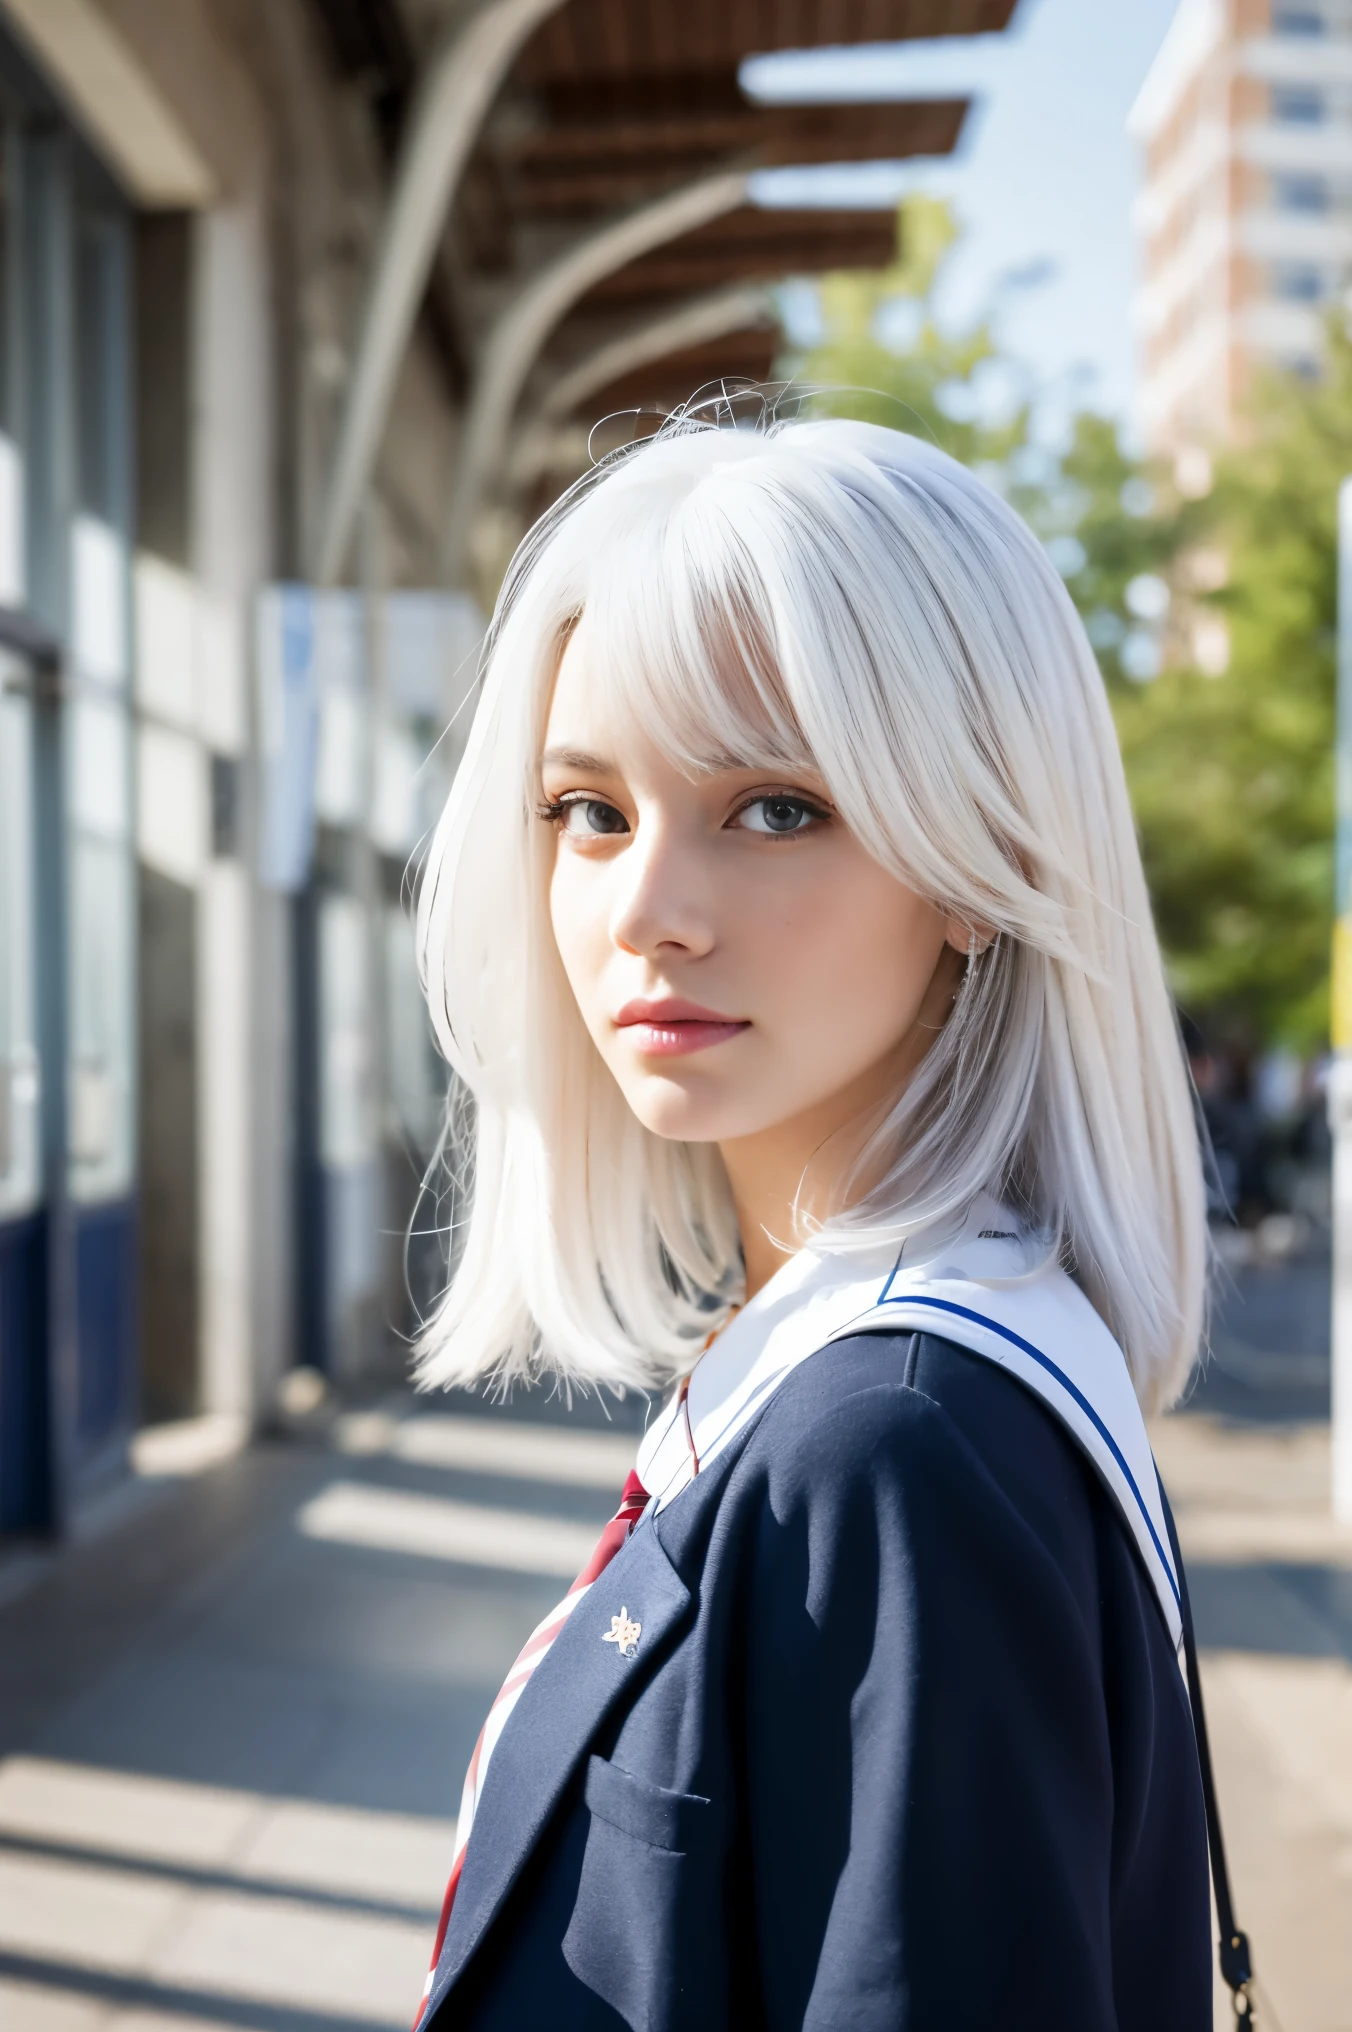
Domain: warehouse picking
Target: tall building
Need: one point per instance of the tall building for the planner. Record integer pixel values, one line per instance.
(1244, 223)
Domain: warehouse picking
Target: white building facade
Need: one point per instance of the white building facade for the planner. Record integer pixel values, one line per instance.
(187, 201)
(1244, 223)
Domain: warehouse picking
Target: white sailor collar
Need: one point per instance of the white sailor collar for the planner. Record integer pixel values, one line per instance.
(984, 1284)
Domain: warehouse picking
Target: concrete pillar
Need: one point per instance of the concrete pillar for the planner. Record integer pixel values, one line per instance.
(242, 993)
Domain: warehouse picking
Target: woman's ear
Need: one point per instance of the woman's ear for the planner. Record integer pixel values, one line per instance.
(968, 939)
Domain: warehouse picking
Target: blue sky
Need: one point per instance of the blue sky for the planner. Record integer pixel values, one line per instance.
(1043, 184)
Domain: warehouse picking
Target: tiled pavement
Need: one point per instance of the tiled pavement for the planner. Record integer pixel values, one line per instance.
(233, 1728)
(1271, 1581)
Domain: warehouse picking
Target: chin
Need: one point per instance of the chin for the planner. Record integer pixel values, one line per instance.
(677, 1124)
(684, 1117)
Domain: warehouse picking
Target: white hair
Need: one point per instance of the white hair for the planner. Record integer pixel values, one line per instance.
(840, 595)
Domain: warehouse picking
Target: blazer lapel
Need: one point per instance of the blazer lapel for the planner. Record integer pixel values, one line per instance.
(558, 1714)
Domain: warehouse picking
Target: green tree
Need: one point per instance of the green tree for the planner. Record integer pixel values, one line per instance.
(1231, 773)
(930, 383)
(1108, 527)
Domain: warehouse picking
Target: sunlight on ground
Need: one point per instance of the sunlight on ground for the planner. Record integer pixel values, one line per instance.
(435, 1527)
(529, 1453)
(177, 1904)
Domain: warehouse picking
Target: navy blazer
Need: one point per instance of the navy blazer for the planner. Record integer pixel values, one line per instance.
(903, 1745)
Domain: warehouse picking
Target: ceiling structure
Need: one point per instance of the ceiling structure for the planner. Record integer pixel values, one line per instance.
(566, 237)
(629, 38)
(604, 142)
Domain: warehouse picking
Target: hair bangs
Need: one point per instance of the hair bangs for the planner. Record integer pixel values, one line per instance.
(679, 636)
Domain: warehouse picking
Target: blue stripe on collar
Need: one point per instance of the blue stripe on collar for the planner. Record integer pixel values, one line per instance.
(1036, 1354)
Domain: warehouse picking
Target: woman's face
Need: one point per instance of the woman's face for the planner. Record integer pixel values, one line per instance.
(738, 957)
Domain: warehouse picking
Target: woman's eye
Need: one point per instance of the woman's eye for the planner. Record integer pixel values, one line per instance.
(778, 815)
(589, 818)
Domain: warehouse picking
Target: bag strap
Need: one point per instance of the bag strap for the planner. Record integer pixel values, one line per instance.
(1236, 1961)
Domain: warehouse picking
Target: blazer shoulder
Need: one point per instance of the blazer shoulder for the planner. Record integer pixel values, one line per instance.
(912, 1390)
(918, 1416)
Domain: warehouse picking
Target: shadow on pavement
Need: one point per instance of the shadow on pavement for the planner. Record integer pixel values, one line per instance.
(1283, 1609)
(1269, 1360)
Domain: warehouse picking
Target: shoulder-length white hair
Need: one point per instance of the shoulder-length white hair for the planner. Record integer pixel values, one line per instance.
(844, 596)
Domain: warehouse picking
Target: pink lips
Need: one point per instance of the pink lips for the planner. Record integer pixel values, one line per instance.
(672, 1027)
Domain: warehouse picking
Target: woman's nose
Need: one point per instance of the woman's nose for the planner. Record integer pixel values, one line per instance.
(663, 901)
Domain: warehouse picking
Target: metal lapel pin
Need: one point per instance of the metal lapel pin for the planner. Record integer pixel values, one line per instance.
(623, 1634)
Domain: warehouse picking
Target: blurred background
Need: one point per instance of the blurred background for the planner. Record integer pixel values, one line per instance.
(307, 309)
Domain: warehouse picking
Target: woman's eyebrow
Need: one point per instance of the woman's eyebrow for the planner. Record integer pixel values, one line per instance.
(577, 758)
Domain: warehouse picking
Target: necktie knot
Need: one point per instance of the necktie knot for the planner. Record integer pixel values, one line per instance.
(634, 1499)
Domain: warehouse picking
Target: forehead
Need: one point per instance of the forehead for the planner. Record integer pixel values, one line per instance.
(579, 709)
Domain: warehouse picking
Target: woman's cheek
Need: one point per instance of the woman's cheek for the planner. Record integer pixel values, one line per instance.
(594, 954)
(574, 938)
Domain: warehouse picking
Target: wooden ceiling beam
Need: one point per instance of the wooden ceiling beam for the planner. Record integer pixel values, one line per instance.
(749, 244)
(740, 356)
(573, 168)
(618, 38)
(719, 318)
(898, 127)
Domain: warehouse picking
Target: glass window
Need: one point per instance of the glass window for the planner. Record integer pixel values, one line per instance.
(1297, 282)
(12, 572)
(100, 768)
(416, 1077)
(98, 355)
(8, 252)
(11, 465)
(347, 1113)
(98, 595)
(102, 950)
(1297, 106)
(20, 1139)
(98, 559)
(394, 799)
(342, 765)
(99, 1095)
(1300, 193)
(101, 958)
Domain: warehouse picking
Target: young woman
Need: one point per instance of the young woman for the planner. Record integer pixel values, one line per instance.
(786, 930)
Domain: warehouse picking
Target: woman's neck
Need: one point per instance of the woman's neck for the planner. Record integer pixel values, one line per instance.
(787, 1177)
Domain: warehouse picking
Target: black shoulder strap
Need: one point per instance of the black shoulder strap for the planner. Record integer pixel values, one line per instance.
(1235, 1958)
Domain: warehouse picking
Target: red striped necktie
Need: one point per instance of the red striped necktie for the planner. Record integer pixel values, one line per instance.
(535, 1648)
